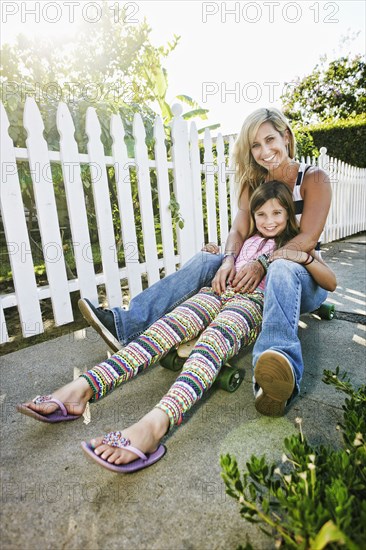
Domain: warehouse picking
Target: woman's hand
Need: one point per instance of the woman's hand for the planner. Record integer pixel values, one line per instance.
(211, 247)
(225, 274)
(292, 255)
(248, 277)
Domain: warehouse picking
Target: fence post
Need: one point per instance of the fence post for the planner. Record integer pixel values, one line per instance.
(182, 184)
(209, 170)
(44, 192)
(162, 175)
(196, 174)
(125, 204)
(222, 189)
(323, 161)
(103, 209)
(145, 197)
(71, 170)
(232, 182)
(17, 240)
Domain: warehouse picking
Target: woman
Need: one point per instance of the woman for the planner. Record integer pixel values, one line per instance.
(264, 151)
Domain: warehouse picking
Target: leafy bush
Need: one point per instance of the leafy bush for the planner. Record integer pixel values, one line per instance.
(335, 89)
(344, 139)
(305, 145)
(317, 497)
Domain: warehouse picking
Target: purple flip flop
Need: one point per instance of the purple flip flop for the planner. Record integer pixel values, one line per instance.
(139, 464)
(60, 415)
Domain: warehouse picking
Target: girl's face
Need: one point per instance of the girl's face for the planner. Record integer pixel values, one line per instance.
(271, 218)
(269, 147)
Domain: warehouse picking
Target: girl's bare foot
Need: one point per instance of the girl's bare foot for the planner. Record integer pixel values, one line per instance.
(145, 435)
(74, 396)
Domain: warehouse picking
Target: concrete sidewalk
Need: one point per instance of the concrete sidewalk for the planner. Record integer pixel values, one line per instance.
(53, 498)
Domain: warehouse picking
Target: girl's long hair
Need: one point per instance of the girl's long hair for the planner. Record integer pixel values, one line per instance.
(247, 172)
(275, 190)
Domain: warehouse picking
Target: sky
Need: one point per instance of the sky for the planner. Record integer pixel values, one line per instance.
(232, 58)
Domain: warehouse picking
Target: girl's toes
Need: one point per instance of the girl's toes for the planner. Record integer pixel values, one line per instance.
(121, 459)
(113, 458)
(100, 450)
(108, 451)
(96, 442)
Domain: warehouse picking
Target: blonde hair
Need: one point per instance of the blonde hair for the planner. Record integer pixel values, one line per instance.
(247, 172)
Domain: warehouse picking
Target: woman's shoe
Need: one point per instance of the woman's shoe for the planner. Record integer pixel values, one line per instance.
(102, 320)
(275, 376)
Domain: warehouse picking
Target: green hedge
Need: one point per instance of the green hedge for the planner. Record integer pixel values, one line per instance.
(344, 139)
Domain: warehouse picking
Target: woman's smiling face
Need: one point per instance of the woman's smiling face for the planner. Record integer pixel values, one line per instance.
(269, 147)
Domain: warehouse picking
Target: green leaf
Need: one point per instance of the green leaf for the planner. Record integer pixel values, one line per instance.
(188, 100)
(202, 113)
(166, 111)
(212, 127)
(331, 533)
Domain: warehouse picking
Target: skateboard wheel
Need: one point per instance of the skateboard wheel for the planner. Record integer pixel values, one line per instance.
(229, 378)
(326, 311)
(172, 361)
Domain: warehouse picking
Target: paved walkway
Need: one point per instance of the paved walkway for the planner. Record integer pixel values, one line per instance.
(53, 498)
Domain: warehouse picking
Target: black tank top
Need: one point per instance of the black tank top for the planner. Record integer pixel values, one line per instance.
(296, 195)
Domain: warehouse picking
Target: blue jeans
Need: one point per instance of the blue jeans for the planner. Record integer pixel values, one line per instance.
(290, 290)
(163, 296)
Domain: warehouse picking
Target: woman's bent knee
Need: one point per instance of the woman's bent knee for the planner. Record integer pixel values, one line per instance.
(285, 266)
(284, 275)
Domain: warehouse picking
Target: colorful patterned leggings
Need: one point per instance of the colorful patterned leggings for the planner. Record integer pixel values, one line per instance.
(231, 321)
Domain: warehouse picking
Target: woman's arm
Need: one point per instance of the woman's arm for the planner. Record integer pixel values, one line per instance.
(318, 269)
(317, 196)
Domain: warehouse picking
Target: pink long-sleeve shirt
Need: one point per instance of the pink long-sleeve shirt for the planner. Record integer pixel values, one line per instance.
(250, 251)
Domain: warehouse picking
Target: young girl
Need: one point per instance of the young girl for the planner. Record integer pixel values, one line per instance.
(225, 323)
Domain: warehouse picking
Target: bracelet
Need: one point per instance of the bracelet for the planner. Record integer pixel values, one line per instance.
(307, 262)
(264, 260)
(229, 255)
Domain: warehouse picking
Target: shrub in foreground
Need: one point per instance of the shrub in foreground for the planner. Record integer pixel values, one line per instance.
(316, 498)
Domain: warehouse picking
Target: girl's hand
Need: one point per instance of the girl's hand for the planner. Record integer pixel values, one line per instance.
(249, 277)
(211, 247)
(225, 274)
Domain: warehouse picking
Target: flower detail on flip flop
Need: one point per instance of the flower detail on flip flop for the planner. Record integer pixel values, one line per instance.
(41, 399)
(116, 439)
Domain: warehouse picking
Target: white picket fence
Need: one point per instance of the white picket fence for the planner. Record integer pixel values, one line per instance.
(346, 216)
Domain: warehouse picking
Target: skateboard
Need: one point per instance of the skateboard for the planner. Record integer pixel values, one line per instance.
(228, 379)
(326, 311)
